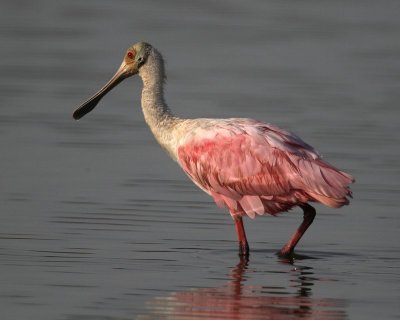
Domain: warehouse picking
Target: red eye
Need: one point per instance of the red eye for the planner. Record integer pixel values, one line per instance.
(130, 55)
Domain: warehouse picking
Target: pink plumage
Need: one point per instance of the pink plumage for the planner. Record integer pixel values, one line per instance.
(255, 168)
(247, 166)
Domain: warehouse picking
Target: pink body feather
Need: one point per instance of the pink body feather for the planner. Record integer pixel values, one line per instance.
(254, 168)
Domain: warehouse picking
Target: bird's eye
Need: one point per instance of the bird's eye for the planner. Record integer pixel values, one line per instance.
(130, 55)
(140, 59)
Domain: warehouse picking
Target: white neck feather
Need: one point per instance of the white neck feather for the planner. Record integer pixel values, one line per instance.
(156, 112)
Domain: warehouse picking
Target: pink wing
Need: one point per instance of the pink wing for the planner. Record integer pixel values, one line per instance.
(252, 167)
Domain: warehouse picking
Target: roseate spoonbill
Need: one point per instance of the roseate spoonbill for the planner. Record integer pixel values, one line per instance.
(250, 167)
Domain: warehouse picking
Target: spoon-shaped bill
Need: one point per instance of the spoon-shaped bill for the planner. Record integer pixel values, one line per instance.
(90, 104)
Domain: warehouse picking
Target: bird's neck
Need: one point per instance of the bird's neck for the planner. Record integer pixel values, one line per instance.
(156, 112)
(155, 109)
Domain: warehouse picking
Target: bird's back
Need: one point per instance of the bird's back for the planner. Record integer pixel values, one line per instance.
(256, 168)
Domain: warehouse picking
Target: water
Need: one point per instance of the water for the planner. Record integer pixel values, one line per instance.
(98, 223)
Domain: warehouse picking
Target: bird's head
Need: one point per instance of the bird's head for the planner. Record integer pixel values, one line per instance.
(135, 57)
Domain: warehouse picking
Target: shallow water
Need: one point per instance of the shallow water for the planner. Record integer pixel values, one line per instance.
(98, 223)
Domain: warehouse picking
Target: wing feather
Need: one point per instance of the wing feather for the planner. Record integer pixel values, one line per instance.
(255, 168)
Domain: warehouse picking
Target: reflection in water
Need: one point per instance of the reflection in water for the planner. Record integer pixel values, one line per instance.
(238, 300)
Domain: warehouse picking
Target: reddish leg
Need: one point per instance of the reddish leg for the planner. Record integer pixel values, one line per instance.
(243, 244)
(308, 218)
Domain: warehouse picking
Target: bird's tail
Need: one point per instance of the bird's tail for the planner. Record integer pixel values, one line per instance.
(326, 184)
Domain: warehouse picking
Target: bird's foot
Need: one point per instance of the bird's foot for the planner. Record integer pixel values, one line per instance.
(286, 252)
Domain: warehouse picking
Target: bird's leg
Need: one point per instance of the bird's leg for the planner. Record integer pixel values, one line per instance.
(244, 250)
(308, 217)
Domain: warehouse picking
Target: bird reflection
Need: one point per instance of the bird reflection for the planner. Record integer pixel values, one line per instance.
(238, 300)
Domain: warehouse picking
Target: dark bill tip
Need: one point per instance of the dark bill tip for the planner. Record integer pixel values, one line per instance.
(86, 107)
(90, 104)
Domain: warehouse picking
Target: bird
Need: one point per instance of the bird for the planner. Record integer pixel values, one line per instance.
(247, 166)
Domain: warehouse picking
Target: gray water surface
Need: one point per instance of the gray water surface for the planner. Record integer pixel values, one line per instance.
(98, 223)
